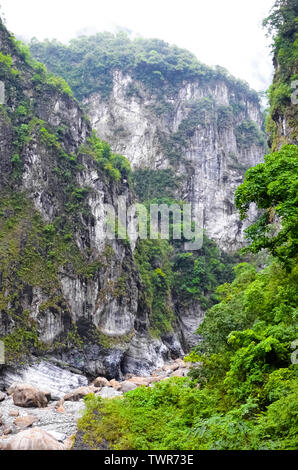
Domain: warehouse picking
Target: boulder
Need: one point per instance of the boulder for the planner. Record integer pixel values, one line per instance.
(14, 413)
(115, 384)
(127, 386)
(13, 388)
(18, 387)
(139, 381)
(60, 409)
(2, 396)
(160, 379)
(7, 430)
(23, 422)
(178, 373)
(93, 389)
(59, 403)
(156, 372)
(101, 382)
(180, 362)
(29, 397)
(58, 435)
(3, 440)
(33, 439)
(156, 379)
(171, 367)
(77, 394)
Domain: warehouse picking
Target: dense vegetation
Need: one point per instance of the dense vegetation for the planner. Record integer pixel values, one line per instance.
(174, 278)
(87, 64)
(31, 255)
(248, 387)
(273, 186)
(242, 391)
(282, 23)
(150, 184)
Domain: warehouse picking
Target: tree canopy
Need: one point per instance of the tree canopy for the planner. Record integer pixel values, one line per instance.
(273, 187)
(87, 63)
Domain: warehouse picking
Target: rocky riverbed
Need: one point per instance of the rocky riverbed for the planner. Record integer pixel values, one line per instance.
(40, 404)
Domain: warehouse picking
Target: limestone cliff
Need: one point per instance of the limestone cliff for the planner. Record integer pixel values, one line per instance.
(64, 291)
(164, 110)
(88, 303)
(207, 133)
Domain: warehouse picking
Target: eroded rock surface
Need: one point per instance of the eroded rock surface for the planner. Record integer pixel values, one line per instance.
(205, 119)
(44, 375)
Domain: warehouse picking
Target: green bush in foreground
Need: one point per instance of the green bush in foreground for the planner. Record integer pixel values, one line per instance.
(247, 397)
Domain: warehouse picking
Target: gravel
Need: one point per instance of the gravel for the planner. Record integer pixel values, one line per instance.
(49, 418)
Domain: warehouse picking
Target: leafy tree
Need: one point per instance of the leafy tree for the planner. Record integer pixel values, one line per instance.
(198, 273)
(273, 187)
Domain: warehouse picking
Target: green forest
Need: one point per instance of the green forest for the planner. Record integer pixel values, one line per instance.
(87, 64)
(242, 391)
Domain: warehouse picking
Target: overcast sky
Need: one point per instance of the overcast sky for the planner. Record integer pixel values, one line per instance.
(223, 32)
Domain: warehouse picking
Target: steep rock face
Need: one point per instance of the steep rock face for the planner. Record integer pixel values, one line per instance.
(282, 122)
(190, 132)
(282, 119)
(208, 133)
(64, 289)
(45, 376)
